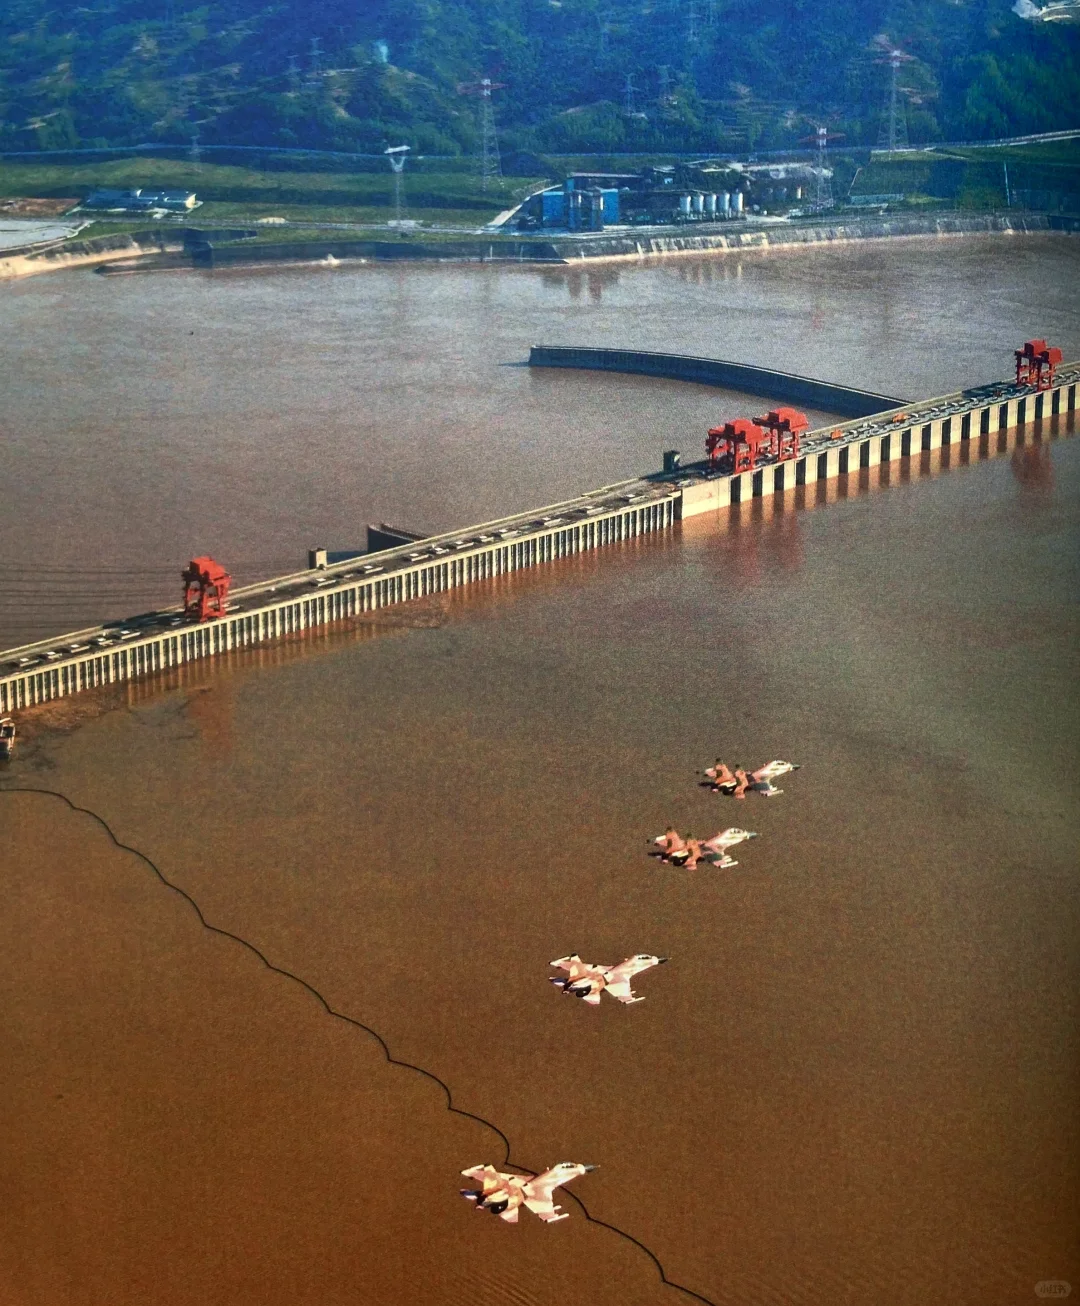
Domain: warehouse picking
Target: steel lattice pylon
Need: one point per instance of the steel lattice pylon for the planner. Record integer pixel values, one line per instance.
(490, 165)
(893, 135)
(823, 191)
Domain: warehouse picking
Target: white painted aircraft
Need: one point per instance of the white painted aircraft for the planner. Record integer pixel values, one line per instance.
(719, 844)
(588, 980)
(504, 1194)
(773, 770)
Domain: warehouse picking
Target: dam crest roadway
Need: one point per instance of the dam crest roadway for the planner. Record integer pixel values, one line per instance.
(275, 609)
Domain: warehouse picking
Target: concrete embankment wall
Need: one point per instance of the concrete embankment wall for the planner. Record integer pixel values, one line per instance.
(739, 236)
(167, 249)
(823, 395)
(81, 253)
(476, 251)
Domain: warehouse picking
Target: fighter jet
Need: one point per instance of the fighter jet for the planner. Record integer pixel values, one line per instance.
(721, 780)
(587, 980)
(762, 779)
(718, 845)
(504, 1194)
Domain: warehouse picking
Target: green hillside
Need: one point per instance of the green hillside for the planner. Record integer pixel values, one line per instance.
(577, 75)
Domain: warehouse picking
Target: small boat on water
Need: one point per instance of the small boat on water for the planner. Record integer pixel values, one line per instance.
(7, 736)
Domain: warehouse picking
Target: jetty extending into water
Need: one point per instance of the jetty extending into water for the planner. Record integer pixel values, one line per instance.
(981, 423)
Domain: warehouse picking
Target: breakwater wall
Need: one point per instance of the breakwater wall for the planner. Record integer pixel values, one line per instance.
(988, 420)
(761, 381)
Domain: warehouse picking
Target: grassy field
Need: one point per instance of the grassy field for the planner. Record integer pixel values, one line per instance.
(233, 193)
(298, 234)
(974, 177)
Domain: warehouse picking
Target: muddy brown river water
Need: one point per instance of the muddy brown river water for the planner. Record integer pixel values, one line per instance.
(856, 1079)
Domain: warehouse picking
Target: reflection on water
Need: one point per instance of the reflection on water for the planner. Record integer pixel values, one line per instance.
(572, 279)
(1033, 467)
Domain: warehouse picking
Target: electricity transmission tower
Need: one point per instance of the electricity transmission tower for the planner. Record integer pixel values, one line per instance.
(195, 153)
(823, 192)
(628, 91)
(893, 135)
(490, 166)
(396, 156)
(691, 23)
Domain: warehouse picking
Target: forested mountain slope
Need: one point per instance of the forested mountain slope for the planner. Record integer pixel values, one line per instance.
(578, 75)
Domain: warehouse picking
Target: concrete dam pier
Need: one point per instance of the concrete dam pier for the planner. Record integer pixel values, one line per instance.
(989, 419)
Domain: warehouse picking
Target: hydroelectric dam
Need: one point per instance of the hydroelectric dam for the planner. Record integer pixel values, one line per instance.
(983, 422)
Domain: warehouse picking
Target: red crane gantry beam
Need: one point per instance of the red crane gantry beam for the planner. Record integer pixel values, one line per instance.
(1035, 364)
(206, 587)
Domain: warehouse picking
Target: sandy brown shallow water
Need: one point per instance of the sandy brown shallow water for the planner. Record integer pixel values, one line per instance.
(854, 1081)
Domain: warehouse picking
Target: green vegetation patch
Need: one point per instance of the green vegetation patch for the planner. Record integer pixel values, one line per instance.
(368, 194)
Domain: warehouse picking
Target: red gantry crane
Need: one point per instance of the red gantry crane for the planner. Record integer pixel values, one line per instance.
(206, 587)
(736, 446)
(784, 425)
(742, 445)
(1035, 364)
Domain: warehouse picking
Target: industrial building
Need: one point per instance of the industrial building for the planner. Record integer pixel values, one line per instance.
(685, 193)
(141, 201)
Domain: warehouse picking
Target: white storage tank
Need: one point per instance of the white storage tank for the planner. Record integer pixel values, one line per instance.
(725, 202)
(738, 198)
(684, 205)
(710, 205)
(699, 203)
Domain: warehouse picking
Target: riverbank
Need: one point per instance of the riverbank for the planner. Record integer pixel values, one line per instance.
(164, 250)
(30, 261)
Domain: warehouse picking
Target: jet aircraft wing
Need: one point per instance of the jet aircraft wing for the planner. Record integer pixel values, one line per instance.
(621, 990)
(490, 1178)
(538, 1198)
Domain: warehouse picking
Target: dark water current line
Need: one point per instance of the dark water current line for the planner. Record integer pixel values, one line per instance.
(358, 1024)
